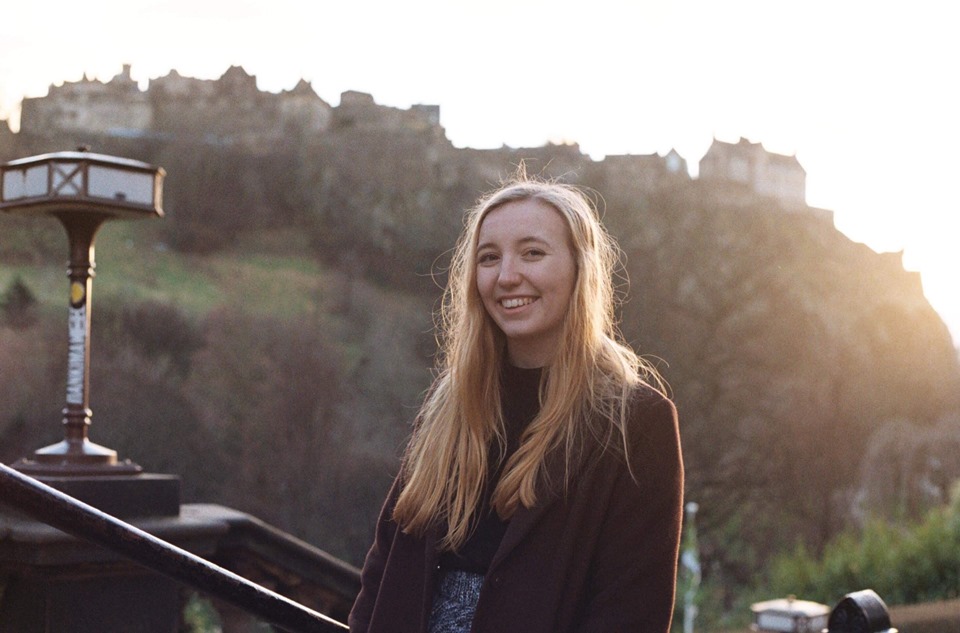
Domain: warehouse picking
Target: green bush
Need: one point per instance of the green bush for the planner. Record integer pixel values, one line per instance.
(904, 564)
(199, 616)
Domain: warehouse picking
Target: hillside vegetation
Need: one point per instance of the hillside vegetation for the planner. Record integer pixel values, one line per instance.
(270, 339)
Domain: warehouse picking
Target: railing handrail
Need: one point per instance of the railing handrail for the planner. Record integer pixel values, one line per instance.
(79, 519)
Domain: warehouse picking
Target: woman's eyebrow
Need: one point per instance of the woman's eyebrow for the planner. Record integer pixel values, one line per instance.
(531, 238)
(523, 240)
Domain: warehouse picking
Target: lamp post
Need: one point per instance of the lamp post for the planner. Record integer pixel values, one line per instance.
(82, 190)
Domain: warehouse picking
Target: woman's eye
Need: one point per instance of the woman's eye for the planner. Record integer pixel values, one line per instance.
(487, 258)
(535, 253)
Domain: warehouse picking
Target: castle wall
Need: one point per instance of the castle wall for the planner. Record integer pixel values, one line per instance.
(644, 173)
(86, 111)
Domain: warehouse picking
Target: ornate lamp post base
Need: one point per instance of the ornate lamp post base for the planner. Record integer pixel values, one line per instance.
(68, 458)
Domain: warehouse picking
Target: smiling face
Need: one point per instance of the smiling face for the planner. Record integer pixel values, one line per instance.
(525, 277)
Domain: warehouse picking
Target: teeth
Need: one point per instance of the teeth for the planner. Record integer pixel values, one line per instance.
(516, 303)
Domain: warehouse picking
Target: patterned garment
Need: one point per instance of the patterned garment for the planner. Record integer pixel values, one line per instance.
(454, 602)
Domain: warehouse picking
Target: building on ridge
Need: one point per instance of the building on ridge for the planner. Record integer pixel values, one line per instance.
(641, 174)
(89, 106)
(749, 167)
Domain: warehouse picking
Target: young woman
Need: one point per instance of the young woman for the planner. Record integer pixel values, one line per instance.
(541, 490)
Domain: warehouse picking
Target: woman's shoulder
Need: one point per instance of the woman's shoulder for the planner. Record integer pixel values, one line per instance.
(637, 418)
(651, 426)
(647, 405)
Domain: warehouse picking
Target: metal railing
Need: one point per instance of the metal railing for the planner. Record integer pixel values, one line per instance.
(74, 517)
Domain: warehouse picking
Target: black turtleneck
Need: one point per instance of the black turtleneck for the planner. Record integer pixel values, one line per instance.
(520, 398)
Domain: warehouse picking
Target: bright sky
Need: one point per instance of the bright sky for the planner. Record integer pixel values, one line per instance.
(865, 93)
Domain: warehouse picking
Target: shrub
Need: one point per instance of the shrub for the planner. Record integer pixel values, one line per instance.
(18, 305)
(903, 563)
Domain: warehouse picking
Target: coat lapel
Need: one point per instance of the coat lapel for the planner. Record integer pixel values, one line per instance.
(524, 519)
(521, 523)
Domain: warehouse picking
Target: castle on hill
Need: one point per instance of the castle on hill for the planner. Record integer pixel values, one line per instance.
(233, 112)
(230, 110)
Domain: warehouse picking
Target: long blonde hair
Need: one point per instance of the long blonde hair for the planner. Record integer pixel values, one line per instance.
(584, 389)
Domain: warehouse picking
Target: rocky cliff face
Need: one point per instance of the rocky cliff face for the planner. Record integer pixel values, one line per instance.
(787, 346)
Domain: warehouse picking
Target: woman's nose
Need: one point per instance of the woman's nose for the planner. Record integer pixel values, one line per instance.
(509, 274)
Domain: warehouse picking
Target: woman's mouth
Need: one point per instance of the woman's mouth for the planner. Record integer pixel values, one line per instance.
(516, 303)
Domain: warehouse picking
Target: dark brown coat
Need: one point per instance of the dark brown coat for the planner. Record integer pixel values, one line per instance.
(602, 558)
